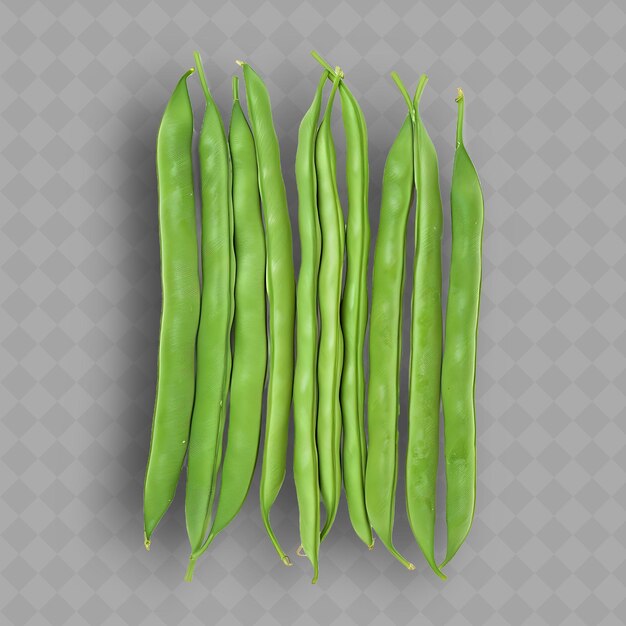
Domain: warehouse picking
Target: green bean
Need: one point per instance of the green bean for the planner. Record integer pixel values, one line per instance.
(305, 464)
(180, 310)
(250, 339)
(354, 314)
(386, 339)
(330, 360)
(216, 314)
(426, 338)
(459, 360)
(280, 283)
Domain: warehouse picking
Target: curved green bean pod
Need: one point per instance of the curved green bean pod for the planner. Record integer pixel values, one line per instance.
(250, 339)
(459, 360)
(426, 341)
(354, 314)
(305, 465)
(213, 346)
(330, 360)
(386, 339)
(280, 283)
(180, 309)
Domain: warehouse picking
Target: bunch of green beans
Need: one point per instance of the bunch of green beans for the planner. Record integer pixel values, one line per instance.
(345, 431)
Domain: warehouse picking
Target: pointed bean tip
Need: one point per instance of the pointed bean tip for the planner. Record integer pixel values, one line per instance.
(240, 63)
(459, 94)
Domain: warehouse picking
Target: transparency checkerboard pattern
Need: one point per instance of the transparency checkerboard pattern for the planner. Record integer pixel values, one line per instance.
(83, 88)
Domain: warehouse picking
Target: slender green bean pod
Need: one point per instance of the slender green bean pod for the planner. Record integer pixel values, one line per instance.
(459, 360)
(180, 307)
(426, 340)
(354, 314)
(330, 360)
(250, 338)
(280, 282)
(305, 463)
(383, 400)
(213, 345)
(354, 310)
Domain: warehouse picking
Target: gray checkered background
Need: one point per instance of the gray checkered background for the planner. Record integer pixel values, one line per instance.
(82, 90)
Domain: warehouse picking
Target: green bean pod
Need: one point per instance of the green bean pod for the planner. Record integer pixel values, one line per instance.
(354, 315)
(330, 360)
(459, 361)
(305, 464)
(180, 308)
(385, 339)
(426, 342)
(250, 338)
(213, 345)
(280, 282)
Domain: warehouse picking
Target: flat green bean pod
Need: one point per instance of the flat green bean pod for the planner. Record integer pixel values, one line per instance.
(386, 339)
(426, 338)
(280, 283)
(213, 345)
(180, 308)
(330, 360)
(250, 338)
(305, 463)
(459, 360)
(354, 314)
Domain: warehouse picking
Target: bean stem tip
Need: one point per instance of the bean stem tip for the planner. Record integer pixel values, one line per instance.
(190, 568)
(235, 88)
(459, 94)
(240, 63)
(286, 561)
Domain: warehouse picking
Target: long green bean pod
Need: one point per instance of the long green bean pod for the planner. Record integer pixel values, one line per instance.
(426, 341)
(386, 339)
(250, 338)
(280, 282)
(330, 359)
(216, 314)
(180, 308)
(459, 360)
(305, 465)
(354, 314)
